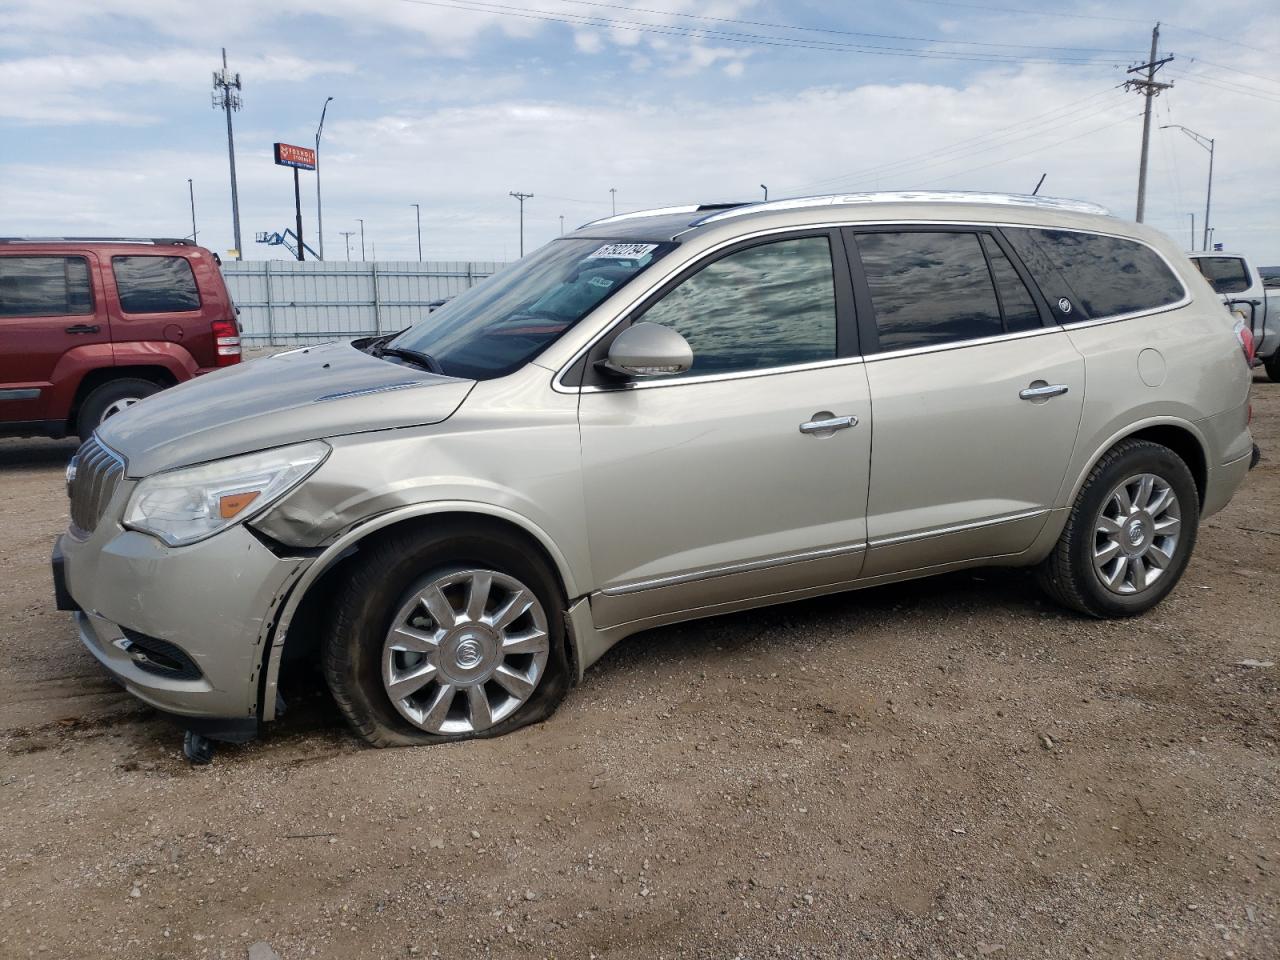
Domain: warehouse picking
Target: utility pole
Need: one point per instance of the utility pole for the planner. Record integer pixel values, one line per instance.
(361, 222)
(191, 192)
(1193, 231)
(522, 197)
(562, 224)
(346, 235)
(226, 97)
(613, 199)
(417, 210)
(319, 213)
(1148, 88)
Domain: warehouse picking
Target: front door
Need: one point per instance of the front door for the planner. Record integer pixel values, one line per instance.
(746, 476)
(46, 310)
(977, 396)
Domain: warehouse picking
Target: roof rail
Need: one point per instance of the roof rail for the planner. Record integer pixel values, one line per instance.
(157, 241)
(908, 196)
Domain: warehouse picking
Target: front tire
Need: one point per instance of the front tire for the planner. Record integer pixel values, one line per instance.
(451, 634)
(1129, 535)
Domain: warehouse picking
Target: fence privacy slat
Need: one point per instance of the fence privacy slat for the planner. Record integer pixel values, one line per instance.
(291, 302)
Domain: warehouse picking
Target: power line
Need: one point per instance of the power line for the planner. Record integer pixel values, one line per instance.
(1191, 58)
(833, 30)
(580, 20)
(1036, 120)
(1226, 85)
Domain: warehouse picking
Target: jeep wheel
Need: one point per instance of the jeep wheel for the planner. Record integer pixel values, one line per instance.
(450, 635)
(105, 401)
(1129, 535)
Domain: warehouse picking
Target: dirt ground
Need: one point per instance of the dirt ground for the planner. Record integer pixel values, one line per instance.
(947, 768)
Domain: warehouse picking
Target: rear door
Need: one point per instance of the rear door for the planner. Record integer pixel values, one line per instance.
(977, 397)
(48, 307)
(157, 299)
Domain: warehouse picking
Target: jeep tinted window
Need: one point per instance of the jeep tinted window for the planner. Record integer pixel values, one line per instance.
(928, 288)
(155, 284)
(44, 287)
(766, 306)
(1108, 275)
(1225, 274)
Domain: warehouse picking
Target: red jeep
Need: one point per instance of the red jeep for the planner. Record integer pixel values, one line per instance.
(89, 326)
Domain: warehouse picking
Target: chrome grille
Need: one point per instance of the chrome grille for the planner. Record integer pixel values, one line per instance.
(92, 477)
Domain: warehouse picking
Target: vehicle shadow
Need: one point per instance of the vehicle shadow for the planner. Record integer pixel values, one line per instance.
(35, 454)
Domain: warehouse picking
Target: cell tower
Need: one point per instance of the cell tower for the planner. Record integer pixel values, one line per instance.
(226, 96)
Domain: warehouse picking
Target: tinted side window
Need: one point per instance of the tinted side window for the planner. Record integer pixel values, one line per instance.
(44, 287)
(766, 306)
(155, 284)
(1019, 309)
(928, 288)
(1109, 275)
(1225, 274)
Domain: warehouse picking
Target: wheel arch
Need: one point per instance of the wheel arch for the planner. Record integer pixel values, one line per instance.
(295, 628)
(1180, 436)
(102, 375)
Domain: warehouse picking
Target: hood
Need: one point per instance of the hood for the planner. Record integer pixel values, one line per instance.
(306, 394)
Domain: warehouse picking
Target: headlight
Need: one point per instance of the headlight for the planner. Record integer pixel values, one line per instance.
(192, 503)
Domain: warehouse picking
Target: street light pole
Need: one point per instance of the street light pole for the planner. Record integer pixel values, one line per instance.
(613, 199)
(766, 192)
(562, 224)
(319, 213)
(361, 222)
(1193, 231)
(417, 211)
(1208, 144)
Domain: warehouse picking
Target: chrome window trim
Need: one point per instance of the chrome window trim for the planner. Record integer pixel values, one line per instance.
(747, 566)
(559, 386)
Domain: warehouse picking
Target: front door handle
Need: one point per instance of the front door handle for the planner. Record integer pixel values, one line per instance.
(82, 328)
(825, 423)
(1039, 390)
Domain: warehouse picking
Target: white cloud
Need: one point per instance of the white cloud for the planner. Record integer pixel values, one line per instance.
(459, 161)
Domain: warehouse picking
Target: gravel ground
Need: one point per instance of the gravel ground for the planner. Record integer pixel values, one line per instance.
(947, 768)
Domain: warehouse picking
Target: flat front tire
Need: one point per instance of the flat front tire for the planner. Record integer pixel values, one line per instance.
(446, 634)
(1129, 535)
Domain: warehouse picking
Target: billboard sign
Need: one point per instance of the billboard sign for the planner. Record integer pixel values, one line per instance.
(303, 158)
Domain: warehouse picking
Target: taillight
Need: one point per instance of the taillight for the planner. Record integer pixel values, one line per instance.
(1244, 337)
(226, 339)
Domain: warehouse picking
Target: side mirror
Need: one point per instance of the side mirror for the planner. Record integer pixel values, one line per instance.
(648, 350)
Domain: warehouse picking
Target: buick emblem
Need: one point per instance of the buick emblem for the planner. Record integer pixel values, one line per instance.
(1064, 305)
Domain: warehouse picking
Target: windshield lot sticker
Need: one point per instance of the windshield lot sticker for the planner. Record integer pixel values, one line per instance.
(623, 251)
(600, 282)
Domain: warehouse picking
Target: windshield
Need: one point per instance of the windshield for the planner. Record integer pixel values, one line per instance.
(499, 325)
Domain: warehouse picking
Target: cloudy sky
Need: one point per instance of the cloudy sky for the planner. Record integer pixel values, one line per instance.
(452, 104)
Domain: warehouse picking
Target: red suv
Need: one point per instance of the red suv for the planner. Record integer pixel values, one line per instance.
(89, 326)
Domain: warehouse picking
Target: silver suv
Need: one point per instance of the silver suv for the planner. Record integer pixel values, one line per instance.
(662, 416)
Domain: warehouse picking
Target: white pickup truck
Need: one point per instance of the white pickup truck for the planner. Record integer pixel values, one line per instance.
(1241, 287)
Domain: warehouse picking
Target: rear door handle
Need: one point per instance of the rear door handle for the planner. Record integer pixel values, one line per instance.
(825, 423)
(83, 328)
(1039, 390)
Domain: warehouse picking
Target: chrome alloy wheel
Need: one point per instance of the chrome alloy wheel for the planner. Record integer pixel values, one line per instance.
(1136, 534)
(465, 652)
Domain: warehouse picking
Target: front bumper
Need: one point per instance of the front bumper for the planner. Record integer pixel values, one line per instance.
(214, 601)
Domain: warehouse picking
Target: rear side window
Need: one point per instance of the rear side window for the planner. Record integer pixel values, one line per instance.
(1225, 274)
(1109, 276)
(770, 305)
(44, 287)
(155, 284)
(929, 288)
(1019, 309)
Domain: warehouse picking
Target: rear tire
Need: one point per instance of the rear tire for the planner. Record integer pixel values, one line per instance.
(110, 398)
(384, 636)
(1129, 535)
